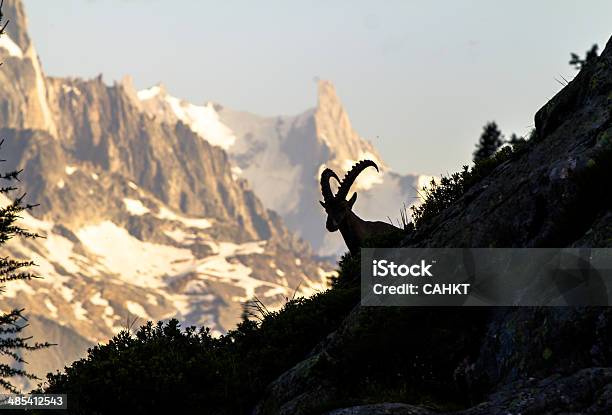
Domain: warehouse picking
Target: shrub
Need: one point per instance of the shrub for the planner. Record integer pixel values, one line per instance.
(163, 367)
(443, 194)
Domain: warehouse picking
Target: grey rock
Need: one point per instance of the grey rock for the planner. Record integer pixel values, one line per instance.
(530, 360)
(584, 392)
(382, 409)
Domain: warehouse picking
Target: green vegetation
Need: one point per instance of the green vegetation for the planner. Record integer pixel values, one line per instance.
(441, 195)
(390, 354)
(489, 142)
(490, 153)
(589, 56)
(162, 366)
(13, 322)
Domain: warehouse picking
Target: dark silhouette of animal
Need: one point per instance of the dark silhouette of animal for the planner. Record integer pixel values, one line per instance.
(340, 215)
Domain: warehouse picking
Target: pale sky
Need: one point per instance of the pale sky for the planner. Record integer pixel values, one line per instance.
(418, 78)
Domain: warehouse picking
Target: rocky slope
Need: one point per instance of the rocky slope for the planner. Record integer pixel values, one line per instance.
(142, 219)
(283, 157)
(555, 192)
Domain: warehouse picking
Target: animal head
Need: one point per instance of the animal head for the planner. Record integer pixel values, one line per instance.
(336, 206)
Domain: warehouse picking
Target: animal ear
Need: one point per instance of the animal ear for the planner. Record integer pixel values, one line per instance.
(352, 200)
(322, 204)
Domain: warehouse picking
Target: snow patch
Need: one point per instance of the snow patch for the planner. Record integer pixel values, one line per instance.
(13, 287)
(137, 310)
(52, 308)
(134, 261)
(226, 249)
(70, 170)
(149, 93)
(109, 312)
(26, 220)
(79, 312)
(236, 172)
(217, 267)
(61, 184)
(133, 185)
(10, 46)
(135, 207)
(220, 266)
(200, 223)
(97, 299)
(60, 251)
(180, 236)
(369, 177)
(204, 121)
(66, 292)
(151, 299)
(67, 89)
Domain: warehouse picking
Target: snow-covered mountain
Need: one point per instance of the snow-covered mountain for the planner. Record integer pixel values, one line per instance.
(153, 207)
(142, 219)
(282, 157)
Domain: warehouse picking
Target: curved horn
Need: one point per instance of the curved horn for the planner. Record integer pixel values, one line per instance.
(325, 187)
(351, 176)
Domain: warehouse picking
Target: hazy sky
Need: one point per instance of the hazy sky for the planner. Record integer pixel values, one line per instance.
(419, 79)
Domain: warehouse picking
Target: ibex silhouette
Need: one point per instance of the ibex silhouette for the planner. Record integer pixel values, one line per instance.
(340, 216)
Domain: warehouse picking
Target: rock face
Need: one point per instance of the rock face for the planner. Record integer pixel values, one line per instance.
(282, 157)
(24, 88)
(382, 409)
(586, 392)
(142, 219)
(554, 193)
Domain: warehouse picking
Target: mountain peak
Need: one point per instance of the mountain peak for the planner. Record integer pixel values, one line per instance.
(17, 30)
(335, 129)
(29, 93)
(332, 119)
(327, 94)
(329, 102)
(158, 89)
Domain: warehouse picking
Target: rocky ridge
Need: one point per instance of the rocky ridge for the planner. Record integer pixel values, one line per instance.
(142, 220)
(282, 157)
